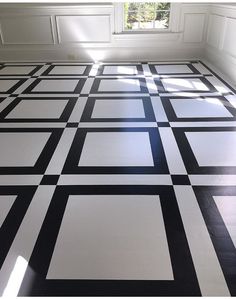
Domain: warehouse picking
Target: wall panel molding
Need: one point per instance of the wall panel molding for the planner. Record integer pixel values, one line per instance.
(220, 47)
(194, 27)
(21, 30)
(83, 28)
(216, 27)
(229, 40)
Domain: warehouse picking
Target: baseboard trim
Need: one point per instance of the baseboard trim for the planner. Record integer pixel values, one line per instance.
(115, 54)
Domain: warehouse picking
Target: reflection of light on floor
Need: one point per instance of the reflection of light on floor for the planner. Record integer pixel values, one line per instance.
(130, 82)
(218, 85)
(151, 85)
(94, 69)
(214, 101)
(175, 84)
(16, 278)
(178, 84)
(185, 94)
(126, 70)
(220, 88)
(199, 85)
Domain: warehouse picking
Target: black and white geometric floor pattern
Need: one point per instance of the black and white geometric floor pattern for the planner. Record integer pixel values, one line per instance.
(117, 179)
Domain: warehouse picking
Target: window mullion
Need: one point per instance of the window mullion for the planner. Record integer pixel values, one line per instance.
(139, 27)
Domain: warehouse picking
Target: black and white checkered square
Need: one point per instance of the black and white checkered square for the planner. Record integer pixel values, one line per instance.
(9, 85)
(119, 85)
(55, 85)
(207, 150)
(68, 70)
(27, 151)
(118, 109)
(205, 108)
(85, 277)
(112, 151)
(38, 109)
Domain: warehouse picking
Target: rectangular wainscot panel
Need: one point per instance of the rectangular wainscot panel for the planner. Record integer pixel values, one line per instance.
(215, 30)
(194, 28)
(25, 29)
(83, 28)
(229, 44)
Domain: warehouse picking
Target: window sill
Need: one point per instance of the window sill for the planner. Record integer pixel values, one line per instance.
(143, 31)
(146, 35)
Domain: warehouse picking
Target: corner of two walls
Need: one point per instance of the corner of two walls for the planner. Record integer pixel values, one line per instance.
(220, 49)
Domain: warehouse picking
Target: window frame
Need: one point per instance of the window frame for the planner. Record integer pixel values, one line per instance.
(173, 22)
(146, 29)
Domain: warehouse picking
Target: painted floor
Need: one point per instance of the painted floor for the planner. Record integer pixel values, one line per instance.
(117, 179)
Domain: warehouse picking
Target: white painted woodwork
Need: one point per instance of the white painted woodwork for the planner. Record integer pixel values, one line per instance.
(26, 30)
(215, 30)
(93, 32)
(220, 48)
(229, 42)
(194, 28)
(78, 29)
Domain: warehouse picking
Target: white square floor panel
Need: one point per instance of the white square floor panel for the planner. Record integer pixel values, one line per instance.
(17, 70)
(56, 86)
(116, 149)
(173, 69)
(118, 109)
(93, 242)
(120, 69)
(29, 146)
(213, 148)
(68, 70)
(208, 107)
(227, 208)
(186, 84)
(38, 109)
(119, 85)
(6, 202)
(5, 85)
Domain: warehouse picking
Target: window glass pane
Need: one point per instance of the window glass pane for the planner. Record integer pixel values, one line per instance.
(131, 15)
(147, 25)
(163, 5)
(146, 15)
(162, 19)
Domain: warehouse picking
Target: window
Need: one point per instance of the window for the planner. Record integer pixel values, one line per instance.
(146, 15)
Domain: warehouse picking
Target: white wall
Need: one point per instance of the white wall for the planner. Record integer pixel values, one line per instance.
(220, 47)
(86, 32)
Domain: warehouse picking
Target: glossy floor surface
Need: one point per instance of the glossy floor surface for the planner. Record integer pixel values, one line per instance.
(117, 179)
